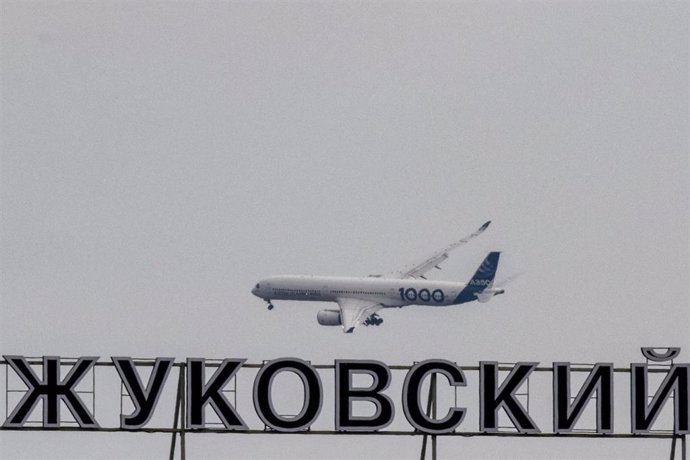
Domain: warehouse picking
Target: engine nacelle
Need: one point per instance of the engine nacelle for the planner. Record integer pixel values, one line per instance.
(329, 318)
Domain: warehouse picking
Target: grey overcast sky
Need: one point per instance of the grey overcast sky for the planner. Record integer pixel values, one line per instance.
(158, 158)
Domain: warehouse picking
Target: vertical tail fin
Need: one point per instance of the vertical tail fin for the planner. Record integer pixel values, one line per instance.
(485, 274)
(483, 278)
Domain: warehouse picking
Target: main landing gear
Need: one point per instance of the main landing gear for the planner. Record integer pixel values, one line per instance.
(373, 320)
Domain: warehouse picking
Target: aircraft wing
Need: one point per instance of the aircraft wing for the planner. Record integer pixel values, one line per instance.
(418, 270)
(354, 311)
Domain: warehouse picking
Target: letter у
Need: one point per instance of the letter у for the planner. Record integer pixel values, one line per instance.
(144, 399)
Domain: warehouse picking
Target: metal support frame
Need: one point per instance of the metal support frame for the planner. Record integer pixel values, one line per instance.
(430, 411)
(683, 447)
(179, 418)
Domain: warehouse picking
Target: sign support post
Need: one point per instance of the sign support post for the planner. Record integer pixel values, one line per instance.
(430, 410)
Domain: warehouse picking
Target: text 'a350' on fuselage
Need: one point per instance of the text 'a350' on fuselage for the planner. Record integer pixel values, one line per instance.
(360, 298)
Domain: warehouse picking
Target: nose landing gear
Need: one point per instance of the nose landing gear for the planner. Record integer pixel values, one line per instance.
(270, 305)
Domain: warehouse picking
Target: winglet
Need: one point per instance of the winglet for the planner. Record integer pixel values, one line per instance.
(483, 227)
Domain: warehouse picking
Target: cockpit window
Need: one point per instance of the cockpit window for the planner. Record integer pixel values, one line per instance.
(258, 286)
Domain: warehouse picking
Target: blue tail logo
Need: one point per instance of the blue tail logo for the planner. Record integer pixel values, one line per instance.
(482, 279)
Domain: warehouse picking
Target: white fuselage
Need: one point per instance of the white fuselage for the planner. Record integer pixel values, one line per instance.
(389, 292)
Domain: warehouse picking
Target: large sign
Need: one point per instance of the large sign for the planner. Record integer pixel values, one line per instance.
(202, 384)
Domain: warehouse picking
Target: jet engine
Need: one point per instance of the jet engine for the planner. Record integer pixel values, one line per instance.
(329, 318)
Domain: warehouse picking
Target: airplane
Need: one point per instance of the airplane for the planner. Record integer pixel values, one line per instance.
(360, 298)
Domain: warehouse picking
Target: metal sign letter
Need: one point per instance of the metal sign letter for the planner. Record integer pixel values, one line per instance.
(199, 393)
(51, 390)
(492, 397)
(411, 400)
(345, 395)
(144, 399)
